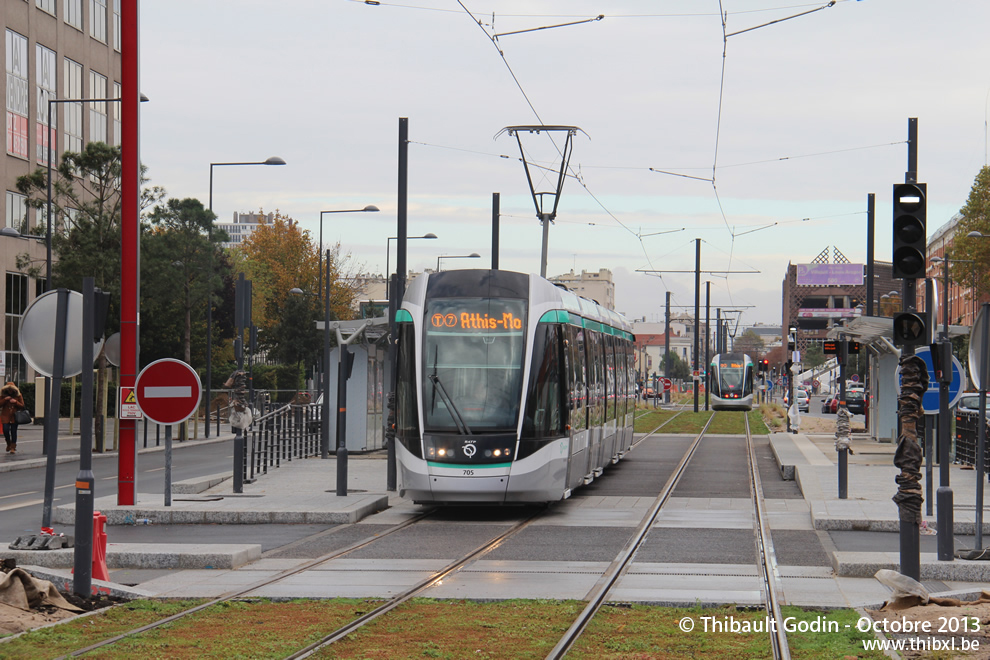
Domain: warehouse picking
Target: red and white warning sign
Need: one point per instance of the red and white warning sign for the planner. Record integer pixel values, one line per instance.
(129, 408)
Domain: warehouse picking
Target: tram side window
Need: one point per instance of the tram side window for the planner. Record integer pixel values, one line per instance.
(593, 344)
(622, 359)
(611, 391)
(631, 375)
(578, 382)
(406, 406)
(544, 415)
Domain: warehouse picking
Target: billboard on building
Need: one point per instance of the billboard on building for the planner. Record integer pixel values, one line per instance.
(830, 274)
(829, 313)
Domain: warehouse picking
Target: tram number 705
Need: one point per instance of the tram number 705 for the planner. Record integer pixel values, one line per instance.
(468, 473)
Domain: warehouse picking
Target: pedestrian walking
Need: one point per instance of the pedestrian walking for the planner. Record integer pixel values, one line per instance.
(11, 402)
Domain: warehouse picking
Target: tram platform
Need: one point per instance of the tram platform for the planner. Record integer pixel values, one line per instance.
(812, 462)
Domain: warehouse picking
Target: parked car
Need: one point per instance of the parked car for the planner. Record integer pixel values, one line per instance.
(648, 393)
(827, 403)
(970, 403)
(856, 402)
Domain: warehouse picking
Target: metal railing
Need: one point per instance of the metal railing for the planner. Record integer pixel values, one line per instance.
(282, 432)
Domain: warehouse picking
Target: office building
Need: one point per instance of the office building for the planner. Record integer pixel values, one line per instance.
(55, 50)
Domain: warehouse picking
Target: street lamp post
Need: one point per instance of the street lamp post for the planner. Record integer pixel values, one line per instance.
(274, 160)
(388, 254)
(370, 208)
(473, 255)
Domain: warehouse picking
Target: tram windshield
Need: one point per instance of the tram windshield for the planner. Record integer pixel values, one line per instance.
(472, 364)
(732, 376)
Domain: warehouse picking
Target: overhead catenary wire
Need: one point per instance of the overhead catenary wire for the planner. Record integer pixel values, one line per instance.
(723, 15)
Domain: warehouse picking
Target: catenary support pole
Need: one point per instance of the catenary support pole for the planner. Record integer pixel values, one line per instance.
(697, 317)
(398, 283)
(495, 221)
(870, 246)
(708, 336)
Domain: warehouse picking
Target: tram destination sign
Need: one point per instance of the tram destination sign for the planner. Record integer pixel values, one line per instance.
(492, 316)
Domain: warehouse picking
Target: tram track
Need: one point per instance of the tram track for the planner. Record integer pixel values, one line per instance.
(323, 559)
(622, 562)
(605, 584)
(766, 556)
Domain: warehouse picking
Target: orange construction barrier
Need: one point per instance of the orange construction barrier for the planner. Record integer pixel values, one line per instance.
(100, 547)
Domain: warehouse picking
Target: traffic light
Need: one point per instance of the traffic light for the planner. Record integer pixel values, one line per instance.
(910, 232)
(765, 365)
(909, 330)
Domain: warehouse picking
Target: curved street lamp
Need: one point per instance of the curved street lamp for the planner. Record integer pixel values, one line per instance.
(271, 160)
(370, 208)
(388, 254)
(473, 255)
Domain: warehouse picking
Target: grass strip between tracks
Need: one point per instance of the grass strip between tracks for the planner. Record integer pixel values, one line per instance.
(427, 628)
(691, 423)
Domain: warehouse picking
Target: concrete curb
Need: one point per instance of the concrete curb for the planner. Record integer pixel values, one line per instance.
(866, 565)
(150, 555)
(63, 579)
(199, 484)
(222, 509)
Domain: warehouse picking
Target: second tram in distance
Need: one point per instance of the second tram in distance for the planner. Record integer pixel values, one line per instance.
(730, 382)
(509, 389)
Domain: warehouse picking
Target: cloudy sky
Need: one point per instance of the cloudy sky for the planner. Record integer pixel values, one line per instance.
(763, 144)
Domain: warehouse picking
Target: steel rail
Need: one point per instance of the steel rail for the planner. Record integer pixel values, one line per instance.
(340, 633)
(410, 593)
(766, 555)
(230, 595)
(619, 565)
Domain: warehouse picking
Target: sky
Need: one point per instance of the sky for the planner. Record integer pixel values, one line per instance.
(763, 144)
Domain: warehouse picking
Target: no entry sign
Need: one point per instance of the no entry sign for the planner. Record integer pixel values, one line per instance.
(168, 391)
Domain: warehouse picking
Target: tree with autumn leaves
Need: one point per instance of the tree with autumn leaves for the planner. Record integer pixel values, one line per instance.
(973, 253)
(277, 257)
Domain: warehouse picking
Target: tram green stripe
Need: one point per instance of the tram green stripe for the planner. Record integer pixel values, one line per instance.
(466, 466)
(403, 316)
(558, 316)
(592, 325)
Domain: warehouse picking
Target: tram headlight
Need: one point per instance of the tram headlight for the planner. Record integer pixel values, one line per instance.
(498, 452)
(442, 451)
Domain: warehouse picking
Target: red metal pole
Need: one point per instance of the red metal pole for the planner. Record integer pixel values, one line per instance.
(129, 250)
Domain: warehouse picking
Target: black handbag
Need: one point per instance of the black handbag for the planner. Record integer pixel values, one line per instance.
(22, 416)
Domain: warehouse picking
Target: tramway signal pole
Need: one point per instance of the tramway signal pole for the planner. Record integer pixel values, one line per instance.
(910, 330)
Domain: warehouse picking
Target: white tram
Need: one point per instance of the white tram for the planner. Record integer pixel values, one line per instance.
(509, 389)
(730, 382)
